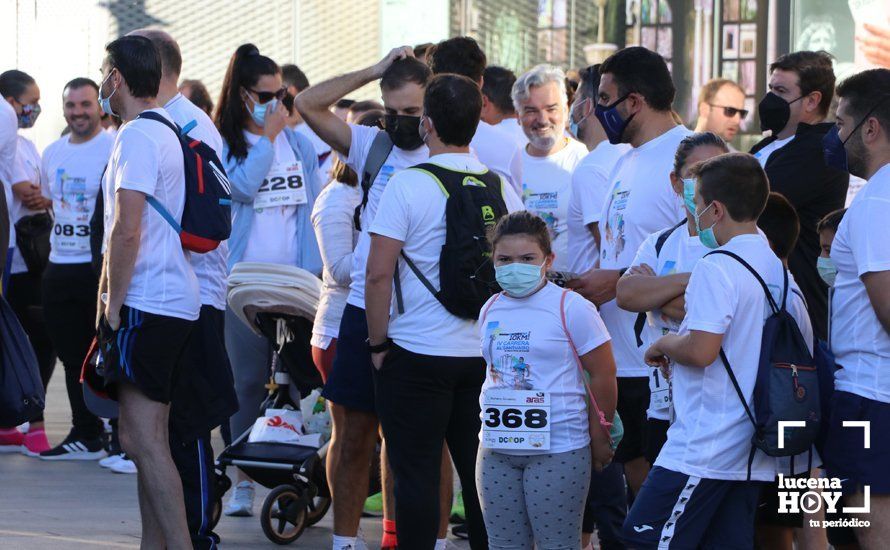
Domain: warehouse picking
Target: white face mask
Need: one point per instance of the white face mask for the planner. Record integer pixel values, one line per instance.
(105, 102)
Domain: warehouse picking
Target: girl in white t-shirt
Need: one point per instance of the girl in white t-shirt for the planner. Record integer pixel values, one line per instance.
(539, 437)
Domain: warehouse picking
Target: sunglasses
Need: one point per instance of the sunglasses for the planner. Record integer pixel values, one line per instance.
(266, 97)
(730, 112)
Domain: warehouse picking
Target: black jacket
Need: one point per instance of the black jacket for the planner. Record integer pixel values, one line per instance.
(798, 172)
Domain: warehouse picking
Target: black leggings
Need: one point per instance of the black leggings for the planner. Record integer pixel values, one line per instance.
(423, 401)
(23, 295)
(69, 307)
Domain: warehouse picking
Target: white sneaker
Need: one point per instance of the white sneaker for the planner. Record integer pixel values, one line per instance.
(110, 461)
(241, 502)
(124, 465)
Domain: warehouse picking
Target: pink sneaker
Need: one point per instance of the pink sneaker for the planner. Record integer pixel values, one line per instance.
(35, 442)
(11, 440)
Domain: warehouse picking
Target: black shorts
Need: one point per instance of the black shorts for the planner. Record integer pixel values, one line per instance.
(633, 400)
(768, 506)
(846, 456)
(143, 351)
(655, 437)
(351, 383)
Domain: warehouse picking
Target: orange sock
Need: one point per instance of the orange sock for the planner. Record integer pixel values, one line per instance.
(389, 535)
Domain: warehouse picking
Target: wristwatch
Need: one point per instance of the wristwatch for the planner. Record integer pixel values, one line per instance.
(379, 348)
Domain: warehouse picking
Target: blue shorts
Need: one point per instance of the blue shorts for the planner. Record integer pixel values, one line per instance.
(845, 454)
(351, 382)
(674, 510)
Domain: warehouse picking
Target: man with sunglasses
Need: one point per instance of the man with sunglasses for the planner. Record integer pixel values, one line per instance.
(801, 87)
(634, 102)
(721, 109)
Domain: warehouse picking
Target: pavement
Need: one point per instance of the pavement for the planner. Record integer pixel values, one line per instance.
(78, 505)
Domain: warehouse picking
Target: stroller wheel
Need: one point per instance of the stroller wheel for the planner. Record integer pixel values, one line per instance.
(284, 515)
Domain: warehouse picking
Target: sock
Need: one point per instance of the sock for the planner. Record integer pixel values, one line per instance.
(440, 544)
(344, 543)
(389, 539)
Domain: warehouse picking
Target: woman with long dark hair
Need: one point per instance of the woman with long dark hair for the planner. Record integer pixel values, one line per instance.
(274, 177)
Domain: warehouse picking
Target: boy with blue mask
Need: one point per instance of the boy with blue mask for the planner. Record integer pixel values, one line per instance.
(654, 285)
(698, 492)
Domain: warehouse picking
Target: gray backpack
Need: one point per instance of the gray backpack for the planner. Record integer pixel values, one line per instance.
(380, 149)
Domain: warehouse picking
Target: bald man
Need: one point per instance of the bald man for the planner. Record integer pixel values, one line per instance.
(204, 396)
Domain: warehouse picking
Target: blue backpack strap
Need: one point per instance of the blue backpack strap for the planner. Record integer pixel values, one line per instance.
(188, 127)
(164, 213)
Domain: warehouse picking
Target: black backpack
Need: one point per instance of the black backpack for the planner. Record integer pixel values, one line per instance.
(659, 244)
(207, 215)
(21, 390)
(466, 274)
(788, 381)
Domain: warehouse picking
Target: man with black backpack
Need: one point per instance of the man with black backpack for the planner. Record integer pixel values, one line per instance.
(428, 238)
(148, 294)
(696, 495)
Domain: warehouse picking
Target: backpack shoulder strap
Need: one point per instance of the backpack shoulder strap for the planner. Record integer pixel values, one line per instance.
(746, 265)
(659, 243)
(151, 115)
(377, 155)
(640, 323)
(605, 425)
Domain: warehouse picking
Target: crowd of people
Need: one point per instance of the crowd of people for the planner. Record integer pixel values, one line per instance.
(547, 285)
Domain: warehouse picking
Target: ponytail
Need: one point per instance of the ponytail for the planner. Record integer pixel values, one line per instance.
(245, 69)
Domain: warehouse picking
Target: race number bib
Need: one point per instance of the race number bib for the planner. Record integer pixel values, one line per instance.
(71, 231)
(659, 391)
(516, 420)
(284, 186)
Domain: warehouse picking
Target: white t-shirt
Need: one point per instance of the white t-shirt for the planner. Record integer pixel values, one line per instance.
(412, 210)
(546, 191)
(336, 235)
(525, 348)
(711, 434)
(210, 268)
(763, 155)
(9, 128)
(590, 184)
(639, 203)
(273, 233)
(500, 155)
(679, 254)
(398, 160)
(322, 149)
(72, 174)
(513, 128)
(147, 158)
(861, 345)
(27, 168)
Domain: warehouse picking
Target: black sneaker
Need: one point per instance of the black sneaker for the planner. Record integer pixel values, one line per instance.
(461, 531)
(76, 448)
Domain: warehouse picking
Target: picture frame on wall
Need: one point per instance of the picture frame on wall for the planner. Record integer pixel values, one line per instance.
(730, 70)
(730, 41)
(748, 41)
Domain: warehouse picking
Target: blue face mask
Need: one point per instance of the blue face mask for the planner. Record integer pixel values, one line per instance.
(706, 236)
(258, 113)
(611, 119)
(518, 279)
(689, 194)
(827, 270)
(105, 102)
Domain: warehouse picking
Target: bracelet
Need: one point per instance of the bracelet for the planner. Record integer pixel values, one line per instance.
(379, 348)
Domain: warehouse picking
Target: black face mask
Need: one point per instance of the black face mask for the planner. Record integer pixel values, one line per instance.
(403, 130)
(774, 112)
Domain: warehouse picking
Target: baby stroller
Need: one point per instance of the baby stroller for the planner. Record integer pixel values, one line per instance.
(279, 302)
